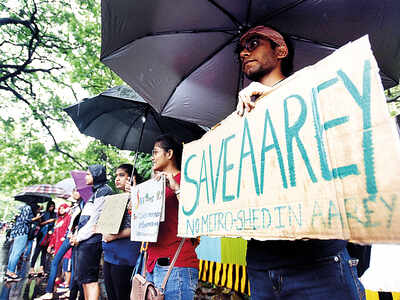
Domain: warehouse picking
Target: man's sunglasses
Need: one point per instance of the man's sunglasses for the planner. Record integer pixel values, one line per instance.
(251, 44)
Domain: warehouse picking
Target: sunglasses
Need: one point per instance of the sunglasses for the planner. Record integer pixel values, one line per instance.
(252, 43)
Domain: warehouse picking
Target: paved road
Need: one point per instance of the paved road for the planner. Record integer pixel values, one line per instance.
(26, 289)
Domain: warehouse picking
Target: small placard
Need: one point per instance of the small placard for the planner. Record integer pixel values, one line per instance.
(147, 209)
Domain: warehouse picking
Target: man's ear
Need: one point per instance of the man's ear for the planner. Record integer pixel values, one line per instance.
(281, 52)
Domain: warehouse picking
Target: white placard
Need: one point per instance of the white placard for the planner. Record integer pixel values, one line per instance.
(147, 209)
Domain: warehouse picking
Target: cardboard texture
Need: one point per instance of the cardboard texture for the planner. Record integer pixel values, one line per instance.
(111, 217)
(147, 210)
(319, 157)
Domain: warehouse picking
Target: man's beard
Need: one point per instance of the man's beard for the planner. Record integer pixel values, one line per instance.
(258, 75)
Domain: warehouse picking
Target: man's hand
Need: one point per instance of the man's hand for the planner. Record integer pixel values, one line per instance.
(254, 89)
(109, 237)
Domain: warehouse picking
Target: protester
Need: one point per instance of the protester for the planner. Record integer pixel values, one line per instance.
(60, 243)
(301, 269)
(20, 236)
(87, 241)
(120, 253)
(182, 283)
(33, 232)
(43, 238)
(57, 239)
(76, 211)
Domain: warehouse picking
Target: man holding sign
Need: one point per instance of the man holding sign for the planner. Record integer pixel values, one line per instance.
(301, 269)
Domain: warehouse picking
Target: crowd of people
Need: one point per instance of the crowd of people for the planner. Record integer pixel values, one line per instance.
(302, 269)
(70, 237)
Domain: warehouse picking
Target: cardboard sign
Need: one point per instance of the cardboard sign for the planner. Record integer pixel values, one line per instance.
(112, 214)
(319, 157)
(147, 209)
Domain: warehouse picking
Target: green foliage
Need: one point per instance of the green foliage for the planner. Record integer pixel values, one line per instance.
(50, 59)
(394, 94)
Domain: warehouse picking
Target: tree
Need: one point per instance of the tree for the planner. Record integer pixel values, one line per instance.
(49, 60)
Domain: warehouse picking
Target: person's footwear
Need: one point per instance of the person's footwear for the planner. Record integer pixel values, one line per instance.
(12, 278)
(62, 290)
(64, 296)
(63, 285)
(41, 274)
(47, 296)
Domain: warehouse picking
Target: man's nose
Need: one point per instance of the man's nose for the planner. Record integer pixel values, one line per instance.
(244, 53)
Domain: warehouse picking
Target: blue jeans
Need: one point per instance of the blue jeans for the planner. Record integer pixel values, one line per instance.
(181, 284)
(327, 278)
(54, 264)
(16, 252)
(28, 249)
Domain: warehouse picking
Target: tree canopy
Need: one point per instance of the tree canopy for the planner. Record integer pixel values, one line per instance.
(50, 60)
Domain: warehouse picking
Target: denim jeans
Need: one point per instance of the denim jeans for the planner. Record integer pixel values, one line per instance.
(181, 284)
(54, 264)
(28, 249)
(332, 278)
(16, 252)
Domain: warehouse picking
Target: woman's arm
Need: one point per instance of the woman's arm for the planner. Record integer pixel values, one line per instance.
(47, 222)
(35, 218)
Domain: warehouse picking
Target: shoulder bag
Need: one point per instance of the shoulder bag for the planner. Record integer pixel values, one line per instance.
(143, 289)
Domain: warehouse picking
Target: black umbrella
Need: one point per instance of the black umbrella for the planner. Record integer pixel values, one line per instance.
(179, 54)
(29, 198)
(121, 118)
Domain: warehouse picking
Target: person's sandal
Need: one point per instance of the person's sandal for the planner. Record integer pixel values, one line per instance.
(64, 296)
(62, 289)
(12, 278)
(45, 297)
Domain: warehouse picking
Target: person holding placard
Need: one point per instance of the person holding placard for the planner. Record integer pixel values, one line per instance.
(120, 253)
(301, 269)
(88, 242)
(182, 282)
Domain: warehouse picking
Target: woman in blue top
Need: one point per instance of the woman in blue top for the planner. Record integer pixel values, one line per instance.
(120, 253)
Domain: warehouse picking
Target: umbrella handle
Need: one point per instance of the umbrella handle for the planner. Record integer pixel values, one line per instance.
(133, 170)
(140, 142)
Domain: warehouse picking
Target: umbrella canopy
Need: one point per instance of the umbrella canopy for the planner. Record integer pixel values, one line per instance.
(120, 117)
(40, 193)
(80, 182)
(180, 55)
(67, 184)
(29, 198)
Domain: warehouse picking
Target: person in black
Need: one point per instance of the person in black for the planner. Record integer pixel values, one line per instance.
(300, 269)
(42, 240)
(87, 241)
